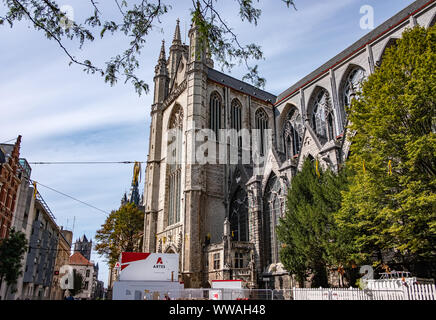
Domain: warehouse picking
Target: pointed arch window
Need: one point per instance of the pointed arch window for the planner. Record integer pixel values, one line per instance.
(322, 113)
(239, 216)
(262, 127)
(216, 114)
(236, 119)
(175, 170)
(271, 213)
(352, 84)
(292, 133)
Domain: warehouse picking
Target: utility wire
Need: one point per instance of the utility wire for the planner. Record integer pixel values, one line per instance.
(9, 140)
(68, 196)
(86, 162)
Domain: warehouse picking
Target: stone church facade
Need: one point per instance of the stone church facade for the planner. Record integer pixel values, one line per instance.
(221, 218)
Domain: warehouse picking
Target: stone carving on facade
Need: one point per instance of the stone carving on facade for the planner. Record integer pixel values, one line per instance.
(180, 242)
(175, 93)
(159, 248)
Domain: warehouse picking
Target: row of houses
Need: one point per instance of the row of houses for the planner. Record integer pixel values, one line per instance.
(48, 245)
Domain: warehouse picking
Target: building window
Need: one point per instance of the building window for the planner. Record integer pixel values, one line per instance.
(239, 216)
(271, 214)
(216, 122)
(236, 119)
(175, 169)
(86, 285)
(87, 273)
(261, 125)
(321, 109)
(292, 133)
(351, 85)
(216, 261)
(239, 260)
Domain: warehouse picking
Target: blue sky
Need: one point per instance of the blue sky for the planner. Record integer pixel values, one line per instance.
(64, 114)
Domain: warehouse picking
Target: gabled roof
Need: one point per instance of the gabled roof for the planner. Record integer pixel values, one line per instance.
(78, 259)
(240, 86)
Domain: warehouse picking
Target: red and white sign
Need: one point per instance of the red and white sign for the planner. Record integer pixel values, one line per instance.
(215, 295)
(138, 266)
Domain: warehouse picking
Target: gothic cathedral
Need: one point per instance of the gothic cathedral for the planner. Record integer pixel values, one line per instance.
(220, 216)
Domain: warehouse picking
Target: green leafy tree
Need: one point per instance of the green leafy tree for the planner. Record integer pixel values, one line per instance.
(12, 250)
(308, 227)
(121, 232)
(390, 205)
(135, 20)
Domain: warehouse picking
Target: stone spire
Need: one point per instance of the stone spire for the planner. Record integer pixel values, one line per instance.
(162, 52)
(177, 39)
(161, 67)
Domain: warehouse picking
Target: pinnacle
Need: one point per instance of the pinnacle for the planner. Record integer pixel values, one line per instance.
(177, 37)
(162, 51)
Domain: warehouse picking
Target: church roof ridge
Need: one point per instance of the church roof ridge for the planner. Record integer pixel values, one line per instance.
(356, 46)
(240, 85)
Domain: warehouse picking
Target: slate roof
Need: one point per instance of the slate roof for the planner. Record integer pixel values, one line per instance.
(78, 259)
(240, 86)
(368, 38)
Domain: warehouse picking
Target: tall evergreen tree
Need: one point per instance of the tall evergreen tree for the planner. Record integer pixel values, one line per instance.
(389, 210)
(308, 228)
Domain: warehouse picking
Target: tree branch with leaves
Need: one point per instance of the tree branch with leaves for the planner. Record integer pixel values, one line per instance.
(137, 19)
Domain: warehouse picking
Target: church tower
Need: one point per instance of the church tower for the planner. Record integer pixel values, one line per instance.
(84, 246)
(195, 187)
(151, 189)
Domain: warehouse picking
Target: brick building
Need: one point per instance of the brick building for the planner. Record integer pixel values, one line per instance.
(9, 184)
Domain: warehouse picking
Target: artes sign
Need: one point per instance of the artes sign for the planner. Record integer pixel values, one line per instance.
(138, 266)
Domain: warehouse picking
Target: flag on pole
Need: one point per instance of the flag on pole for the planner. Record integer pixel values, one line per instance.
(34, 189)
(317, 168)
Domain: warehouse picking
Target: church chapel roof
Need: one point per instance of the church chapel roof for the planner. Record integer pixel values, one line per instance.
(240, 86)
(400, 17)
(78, 259)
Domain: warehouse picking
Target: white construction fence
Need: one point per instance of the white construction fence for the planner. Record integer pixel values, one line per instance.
(411, 292)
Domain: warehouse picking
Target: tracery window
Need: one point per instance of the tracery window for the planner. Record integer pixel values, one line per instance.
(175, 170)
(292, 133)
(261, 125)
(271, 214)
(215, 110)
(321, 109)
(236, 119)
(352, 84)
(239, 216)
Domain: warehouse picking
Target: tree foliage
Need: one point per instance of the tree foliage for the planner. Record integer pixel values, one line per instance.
(308, 227)
(121, 232)
(390, 205)
(12, 250)
(136, 19)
